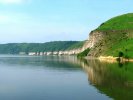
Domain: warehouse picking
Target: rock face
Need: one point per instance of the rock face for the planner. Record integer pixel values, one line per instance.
(67, 52)
(94, 37)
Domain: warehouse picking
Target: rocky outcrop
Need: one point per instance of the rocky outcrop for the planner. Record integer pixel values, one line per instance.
(94, 37)
(67, 52)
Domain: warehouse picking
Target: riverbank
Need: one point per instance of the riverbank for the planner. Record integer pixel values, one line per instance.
(114, 59)
(109, 59)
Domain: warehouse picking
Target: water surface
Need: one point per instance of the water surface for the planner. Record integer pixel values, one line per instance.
(63, 78)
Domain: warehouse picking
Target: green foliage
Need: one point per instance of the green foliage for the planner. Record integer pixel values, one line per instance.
(16, 48)
(123, 22)
(118, 37)
(124, 46)
(121, 54)
(84, 53)
(77, 45)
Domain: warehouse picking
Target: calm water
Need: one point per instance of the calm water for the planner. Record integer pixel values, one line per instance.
(63, 78)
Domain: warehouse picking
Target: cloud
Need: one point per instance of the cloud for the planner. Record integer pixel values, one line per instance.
(12, 1)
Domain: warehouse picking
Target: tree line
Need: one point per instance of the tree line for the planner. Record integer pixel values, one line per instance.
(16, 48)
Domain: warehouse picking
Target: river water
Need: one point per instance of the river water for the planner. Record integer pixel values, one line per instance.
(63, 78)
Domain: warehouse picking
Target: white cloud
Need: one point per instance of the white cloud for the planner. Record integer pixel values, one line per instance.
(12, 1)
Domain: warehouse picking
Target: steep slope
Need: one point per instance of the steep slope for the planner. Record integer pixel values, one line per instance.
(112, 38)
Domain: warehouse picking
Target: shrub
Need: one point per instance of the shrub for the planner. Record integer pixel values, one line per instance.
(121, 54)
(84, 53)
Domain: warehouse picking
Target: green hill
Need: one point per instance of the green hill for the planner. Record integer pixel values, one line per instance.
(15, 48)
(123, 22)
(117, 39)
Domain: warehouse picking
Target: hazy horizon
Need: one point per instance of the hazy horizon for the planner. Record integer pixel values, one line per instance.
(40, 21)
(40, 42)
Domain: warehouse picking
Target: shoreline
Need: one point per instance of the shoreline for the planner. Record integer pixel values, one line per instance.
(110, 59)
(114, 59)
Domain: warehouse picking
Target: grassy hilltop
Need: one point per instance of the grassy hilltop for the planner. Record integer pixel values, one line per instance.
(123, 22)
(118, 37)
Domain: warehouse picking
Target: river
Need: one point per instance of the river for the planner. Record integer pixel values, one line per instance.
(63, 78)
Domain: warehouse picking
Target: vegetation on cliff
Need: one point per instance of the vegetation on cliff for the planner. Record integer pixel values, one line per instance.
(117, 40)
(84, 53)
(16, 48)
(117, 37)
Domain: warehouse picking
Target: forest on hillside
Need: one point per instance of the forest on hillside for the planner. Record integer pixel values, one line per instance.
(16, 48)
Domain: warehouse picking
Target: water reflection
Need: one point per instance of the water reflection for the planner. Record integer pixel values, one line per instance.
(44, 78)
(64, 74)
(50, 62)
(112, 79)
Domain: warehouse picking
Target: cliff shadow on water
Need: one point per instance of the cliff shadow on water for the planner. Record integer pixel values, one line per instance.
(112, 79)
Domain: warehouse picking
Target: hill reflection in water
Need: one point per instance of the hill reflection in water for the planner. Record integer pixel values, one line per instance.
(113, 79)
(40, 77)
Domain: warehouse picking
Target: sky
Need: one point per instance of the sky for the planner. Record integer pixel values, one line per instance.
(42, 21)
